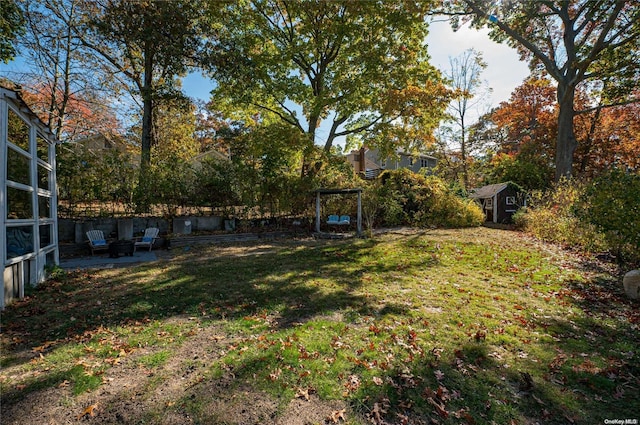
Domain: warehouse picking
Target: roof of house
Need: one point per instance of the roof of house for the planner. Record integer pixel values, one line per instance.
(212, 153)
(401, 151)
(398, 151)
(487, 191)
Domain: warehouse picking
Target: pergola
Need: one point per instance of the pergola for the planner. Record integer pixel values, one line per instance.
(28, 204)
(320, 192)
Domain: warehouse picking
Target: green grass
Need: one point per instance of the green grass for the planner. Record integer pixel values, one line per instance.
(473, 326)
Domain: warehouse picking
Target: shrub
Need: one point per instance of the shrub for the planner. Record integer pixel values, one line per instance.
(413, 199)
(551, 217)
(612, 204)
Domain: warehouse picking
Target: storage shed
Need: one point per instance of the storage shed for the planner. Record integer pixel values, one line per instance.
(28, 204)
(498, 201)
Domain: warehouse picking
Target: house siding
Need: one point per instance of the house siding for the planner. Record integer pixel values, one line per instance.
(368, 161)
(493, 200)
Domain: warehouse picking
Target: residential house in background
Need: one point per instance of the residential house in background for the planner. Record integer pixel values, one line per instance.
(367, 162)
(210, 155)
(28, 200)
(101, 142)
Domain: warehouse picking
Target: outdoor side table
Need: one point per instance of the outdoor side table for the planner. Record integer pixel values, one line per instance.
(120, 247)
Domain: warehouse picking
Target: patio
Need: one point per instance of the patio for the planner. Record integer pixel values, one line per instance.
(103, 261)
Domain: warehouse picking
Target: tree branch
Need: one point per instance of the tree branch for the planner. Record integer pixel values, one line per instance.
(610, 105)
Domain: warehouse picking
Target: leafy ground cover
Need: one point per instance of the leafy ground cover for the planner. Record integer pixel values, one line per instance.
(448, 326)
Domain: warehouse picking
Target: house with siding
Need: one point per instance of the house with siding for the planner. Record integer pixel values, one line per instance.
(369, 163)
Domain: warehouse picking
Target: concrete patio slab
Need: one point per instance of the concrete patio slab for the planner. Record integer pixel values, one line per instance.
(104, 262)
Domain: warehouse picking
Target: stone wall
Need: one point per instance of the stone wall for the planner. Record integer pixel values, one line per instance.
(74, 231)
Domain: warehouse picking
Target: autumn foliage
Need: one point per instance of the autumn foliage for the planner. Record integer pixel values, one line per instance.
(527, 127)
(72, 116)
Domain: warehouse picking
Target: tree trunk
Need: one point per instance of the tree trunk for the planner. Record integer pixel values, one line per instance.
(566, 142)
(147, 107)
(463, 152)
(588, 142)
(144, 195)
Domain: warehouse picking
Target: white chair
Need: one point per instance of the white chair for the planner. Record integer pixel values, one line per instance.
(150, 236)
(97, 241)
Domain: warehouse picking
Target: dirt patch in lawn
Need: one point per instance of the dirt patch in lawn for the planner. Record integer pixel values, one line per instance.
(179, 392)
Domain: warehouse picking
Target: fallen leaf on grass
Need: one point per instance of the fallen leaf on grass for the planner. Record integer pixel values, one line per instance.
(439, 407)
(463, 414)
(377, 381)
(112, 360)
(377, 413)
(303, 393)
(43, 347)
(481, 335)
(353, 383)
(336, 415)
(91, 411)
(275, 375)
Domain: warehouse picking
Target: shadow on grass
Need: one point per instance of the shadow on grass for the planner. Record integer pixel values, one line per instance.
(291, 285)
(592, 366)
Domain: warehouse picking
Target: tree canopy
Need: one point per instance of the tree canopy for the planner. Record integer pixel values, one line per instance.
(576, 42)
(66, 85)
(359, 66)
(148, 43)
(11, 27)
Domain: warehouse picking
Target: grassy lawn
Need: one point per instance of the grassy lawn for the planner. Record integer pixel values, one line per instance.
(449, 326)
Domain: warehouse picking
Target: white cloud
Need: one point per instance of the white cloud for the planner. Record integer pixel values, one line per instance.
(504, 70)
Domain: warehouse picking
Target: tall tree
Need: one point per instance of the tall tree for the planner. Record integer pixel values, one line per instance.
(357, 65)
(464, 77)
(607, 137)
(528, 122)
(11, 27)
(575, 42)
(68, 89)
(149, 43)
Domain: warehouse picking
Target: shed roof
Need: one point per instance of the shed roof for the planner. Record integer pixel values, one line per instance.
(487, 191)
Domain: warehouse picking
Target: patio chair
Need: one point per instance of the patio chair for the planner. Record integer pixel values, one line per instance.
(97, 241)
(150, 236)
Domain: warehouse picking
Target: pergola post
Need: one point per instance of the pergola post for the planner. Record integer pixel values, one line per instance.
(359, 213)
(318, 211)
